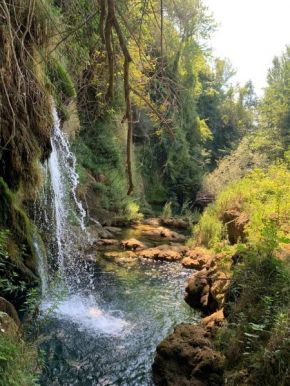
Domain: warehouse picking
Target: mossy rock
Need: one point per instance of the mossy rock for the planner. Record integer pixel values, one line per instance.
(9, 309)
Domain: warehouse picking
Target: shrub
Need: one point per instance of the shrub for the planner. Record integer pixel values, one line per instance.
(262, 196)
(167, 212)
(132, 212)
(209, 229)
(255, 151)
(257, 335)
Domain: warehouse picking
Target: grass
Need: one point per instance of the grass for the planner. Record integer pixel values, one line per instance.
(264, 196)
(18, 362)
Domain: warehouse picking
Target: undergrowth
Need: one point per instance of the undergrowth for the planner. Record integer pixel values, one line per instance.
(256, 337)
(263, 196)
(18, 362)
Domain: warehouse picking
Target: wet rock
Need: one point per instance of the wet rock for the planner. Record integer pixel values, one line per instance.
(113, 230)
(127, 261)
(133, 244)
(187, 358)
(213, 320)
(197, 258)
(177, 223)
(8, 325)
(108, 242)
(124, 254)
(152, 221)
(104, 234)
(160, 254)
(100, 215)
(182, 249)
(9, 309)
(205, 289)
(162, 232)
(97, 232)
(236, 223)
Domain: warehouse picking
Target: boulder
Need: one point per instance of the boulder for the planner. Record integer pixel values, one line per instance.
(133, 244)
(113, 230)
(125, 254)
(162, 232)
(8, 325)
(160, 254)
(206, 289)
(187, 358)
(108, 242)
(236, 223)
(104, 234)
(177, 223)
(9, 309)
(152, 221)
(197, 258)
(213, 320)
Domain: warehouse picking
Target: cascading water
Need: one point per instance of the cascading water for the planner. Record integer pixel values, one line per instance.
(60, 218)
(64, 180)
(58, 214)
(111, 317)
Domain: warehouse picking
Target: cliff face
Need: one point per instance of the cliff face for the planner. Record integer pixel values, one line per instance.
(26, 122)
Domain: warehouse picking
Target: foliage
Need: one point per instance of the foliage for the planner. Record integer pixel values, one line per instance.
(256, 336)
(257, 150)
(263, 196)
(275, 106)
(18, 362)
(167, 212)
(208, 231)
(10, 282)
(132, 212)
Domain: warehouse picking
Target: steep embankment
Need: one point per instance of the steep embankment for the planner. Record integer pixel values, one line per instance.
(25, 114)
(247, 283)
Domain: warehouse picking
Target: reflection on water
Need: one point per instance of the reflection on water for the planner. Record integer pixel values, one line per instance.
(108, 335)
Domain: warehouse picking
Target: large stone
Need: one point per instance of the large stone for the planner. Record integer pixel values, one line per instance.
(108, 242)
(114, 230)
(9, 309)
(235, 222)
(197, 258)
(205, 289)
(133, 244)
(152, 221)
(177, 223)
(159, 254)
(119, 255)
(8, 325)
(187, 358)
(162, 232)
(213, 320)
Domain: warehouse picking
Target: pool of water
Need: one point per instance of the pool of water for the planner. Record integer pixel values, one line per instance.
(105, 330)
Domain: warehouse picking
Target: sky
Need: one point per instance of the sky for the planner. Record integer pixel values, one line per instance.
(251, 33)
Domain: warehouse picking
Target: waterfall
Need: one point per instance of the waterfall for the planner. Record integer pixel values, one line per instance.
(42, 261)
(58, 214)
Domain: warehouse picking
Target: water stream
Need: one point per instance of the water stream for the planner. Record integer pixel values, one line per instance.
(114, 312)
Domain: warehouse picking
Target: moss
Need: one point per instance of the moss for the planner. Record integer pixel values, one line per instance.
(61, 79)
(5, 201)
(14, 218)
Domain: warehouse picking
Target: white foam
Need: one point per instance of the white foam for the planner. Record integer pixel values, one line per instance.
(85, 312)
